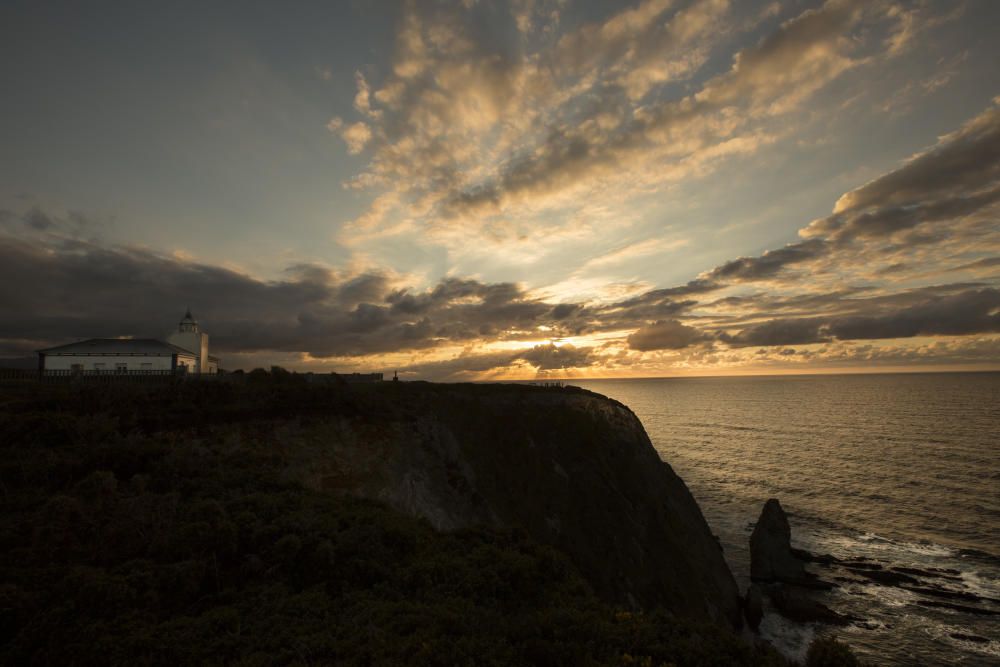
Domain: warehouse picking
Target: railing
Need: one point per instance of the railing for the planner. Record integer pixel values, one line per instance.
(64, 375)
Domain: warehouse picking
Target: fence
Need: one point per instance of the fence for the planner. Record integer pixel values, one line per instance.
(35, 375)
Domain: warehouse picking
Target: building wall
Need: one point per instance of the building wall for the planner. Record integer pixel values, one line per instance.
(65, 362)
(187, 361)
(203, 354)
(195, 342)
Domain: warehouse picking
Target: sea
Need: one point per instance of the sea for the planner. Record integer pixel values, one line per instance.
(900, 469)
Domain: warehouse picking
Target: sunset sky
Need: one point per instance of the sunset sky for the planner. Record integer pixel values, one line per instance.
(486, 190)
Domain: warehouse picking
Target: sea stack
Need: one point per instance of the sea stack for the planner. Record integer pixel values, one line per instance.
(771, 557)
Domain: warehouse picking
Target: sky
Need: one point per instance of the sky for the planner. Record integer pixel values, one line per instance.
(479, 190)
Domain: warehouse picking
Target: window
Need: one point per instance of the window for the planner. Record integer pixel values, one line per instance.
(100, 366)
(76, 368)
(121, 366)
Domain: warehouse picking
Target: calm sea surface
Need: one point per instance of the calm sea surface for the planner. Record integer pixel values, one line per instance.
(904, 469)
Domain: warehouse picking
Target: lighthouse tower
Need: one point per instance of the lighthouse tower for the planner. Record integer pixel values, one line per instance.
(191, 338)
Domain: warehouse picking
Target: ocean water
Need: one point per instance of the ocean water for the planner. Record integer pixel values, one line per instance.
(902, 469)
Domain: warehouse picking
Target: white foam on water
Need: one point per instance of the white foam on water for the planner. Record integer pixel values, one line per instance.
(942, 632)
(983, 586)
(789, 638)
(886, 596)
(878, 545)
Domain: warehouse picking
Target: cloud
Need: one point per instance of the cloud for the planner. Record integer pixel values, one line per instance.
(95, 290)
(946, 197)
(356, 136)
(46, 226)
(550, 356)
(969, 312)
(92, 290)
(778, 333)
(768, 264)
(664, 335)
(474, 131)
(83, 289)
(554, 136)
(984, 263)
(954, 178)
(540, 359)
(362, 100)
(793, 62)
(631, 252)
(948, 352)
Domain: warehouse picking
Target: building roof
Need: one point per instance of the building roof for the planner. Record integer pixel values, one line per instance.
(118, 346)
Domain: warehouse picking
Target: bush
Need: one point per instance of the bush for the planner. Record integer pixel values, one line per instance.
(828, 652)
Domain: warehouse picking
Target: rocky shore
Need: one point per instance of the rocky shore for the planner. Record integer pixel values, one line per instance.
(779, 575)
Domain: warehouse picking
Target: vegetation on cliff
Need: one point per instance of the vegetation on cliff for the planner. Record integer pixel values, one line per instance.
(156, 526)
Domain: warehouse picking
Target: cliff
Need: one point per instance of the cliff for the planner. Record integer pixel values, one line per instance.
(270, 521)
(573, 469)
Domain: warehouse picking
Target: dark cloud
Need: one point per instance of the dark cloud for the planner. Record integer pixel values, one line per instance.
(926, 201)
(957, 177)
(543, 358)
(760, 304)
(970, 312)
(665, 335)
(965, 161)
(778, 332)
(657, 304)
(564, 310)
(692, 287)
(551, 356)
(38, 223)
(462, 366)
(87, 290)
(879, 222)
(984, 263)
(90, 290)
(769, 264)
(38, 220)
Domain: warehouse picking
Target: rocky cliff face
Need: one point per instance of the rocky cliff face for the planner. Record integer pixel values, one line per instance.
(573, 469)
(771, 557)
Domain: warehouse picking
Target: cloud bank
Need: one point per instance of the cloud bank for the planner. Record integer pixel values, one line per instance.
(477, 144)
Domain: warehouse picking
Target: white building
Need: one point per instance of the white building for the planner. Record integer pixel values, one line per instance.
(190, 337)
(185, 350)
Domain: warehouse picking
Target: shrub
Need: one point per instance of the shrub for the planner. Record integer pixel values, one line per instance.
(828, 652)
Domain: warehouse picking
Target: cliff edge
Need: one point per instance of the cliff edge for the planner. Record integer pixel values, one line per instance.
(573, 469)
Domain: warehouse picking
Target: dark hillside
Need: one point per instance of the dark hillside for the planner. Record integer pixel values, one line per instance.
(227, 523)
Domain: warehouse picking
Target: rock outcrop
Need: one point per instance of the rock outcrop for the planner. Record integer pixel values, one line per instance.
(798, 604)
(573, 469)
(771, 557)
(778, 571)
(753, 606)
